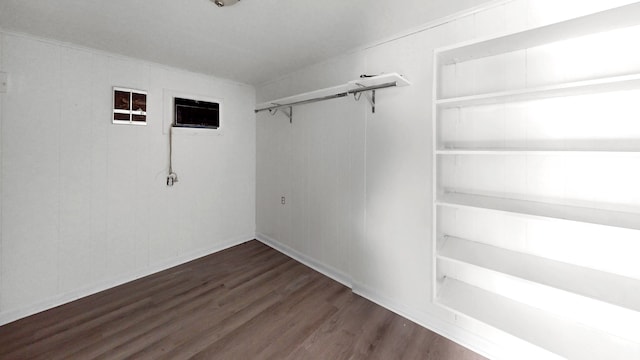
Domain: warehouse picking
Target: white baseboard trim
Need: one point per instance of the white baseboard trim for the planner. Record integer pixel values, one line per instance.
(16, 314)
(438, 325)
(324, 269)
(519, 349)
(450, 331)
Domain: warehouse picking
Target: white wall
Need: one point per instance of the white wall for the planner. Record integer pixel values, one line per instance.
(317, 163)
(84, 202)
(385, 251)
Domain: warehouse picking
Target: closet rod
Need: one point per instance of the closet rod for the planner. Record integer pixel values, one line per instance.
(373, 87)
(329, 97)
(302, 102)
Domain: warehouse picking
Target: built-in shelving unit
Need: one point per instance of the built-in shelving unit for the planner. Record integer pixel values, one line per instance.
(604, 288)
(608, 20)
(514, 151)
(619, 83)
(570, 339)
(530, 290)
(537, 209)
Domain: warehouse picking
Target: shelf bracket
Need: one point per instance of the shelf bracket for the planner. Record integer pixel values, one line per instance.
(372, 100)
(289, 114)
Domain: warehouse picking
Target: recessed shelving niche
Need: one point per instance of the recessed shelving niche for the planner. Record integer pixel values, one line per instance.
(548, 146)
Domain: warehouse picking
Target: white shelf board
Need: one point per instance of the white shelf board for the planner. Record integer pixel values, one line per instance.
(556, 334)
(616, 18)
(340, 89)
(608, 84)
(379, 80)
(541, 210)
(595, 298)
(513, 151)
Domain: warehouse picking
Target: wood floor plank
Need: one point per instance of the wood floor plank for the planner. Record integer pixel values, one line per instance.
(118, 334)
(398, 345)
(166, 339)
(247, 302)
(267, 327)
(37, 327)
(217, 332)
(374, 329)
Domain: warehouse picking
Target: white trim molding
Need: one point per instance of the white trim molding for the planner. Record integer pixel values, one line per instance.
(324, 269)
(447, 329)
(58, 300)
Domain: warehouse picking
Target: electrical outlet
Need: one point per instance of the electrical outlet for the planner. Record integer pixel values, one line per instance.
(283, 200)
(4, 82)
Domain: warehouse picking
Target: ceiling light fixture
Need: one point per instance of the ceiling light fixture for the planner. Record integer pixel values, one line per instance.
(222, 3)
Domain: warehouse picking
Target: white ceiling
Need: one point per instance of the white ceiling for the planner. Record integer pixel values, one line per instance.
(251, 42)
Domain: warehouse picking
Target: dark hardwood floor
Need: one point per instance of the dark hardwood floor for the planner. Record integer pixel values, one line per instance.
(247, 302)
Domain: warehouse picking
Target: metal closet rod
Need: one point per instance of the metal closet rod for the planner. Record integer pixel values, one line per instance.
(329, 97)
